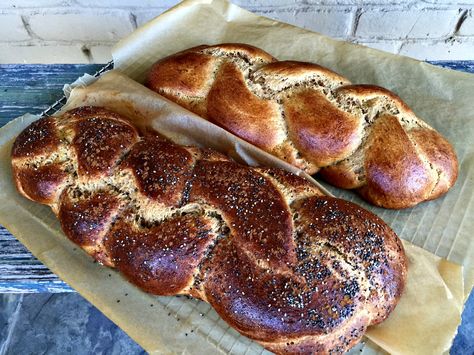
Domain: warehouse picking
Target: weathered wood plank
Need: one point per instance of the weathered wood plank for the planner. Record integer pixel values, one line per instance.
(21, 272)
(460, 65)
(32, 88)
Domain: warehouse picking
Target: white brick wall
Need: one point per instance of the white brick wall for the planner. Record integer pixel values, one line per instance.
(332, 22)
(84, 27)
(82, 31)
(467, 28)
(14, 28)
(398, 24)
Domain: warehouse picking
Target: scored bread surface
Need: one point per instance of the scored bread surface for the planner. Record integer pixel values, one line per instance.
(297, 271)
(360, 137)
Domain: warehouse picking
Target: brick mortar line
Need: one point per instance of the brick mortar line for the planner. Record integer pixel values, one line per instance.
(313, 2)
(25, 19)
(264, 8)
(357, 13)
(449, 39)
(385, 8)
(73, 10)
(349, 38)
(45, 43)
(355, 23)
(405, 38)
(36, 39)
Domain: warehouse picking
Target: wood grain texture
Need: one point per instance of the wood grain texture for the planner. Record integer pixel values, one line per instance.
(21, 272)
(32, 88)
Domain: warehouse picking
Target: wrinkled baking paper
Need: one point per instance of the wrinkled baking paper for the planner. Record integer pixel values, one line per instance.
(179, 324)
(441, 97)
(426, 318)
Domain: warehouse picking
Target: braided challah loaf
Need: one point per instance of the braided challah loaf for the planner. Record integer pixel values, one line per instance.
(359, 137)
(284, 265)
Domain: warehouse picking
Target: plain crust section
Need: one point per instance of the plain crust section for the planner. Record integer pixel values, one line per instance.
(312, 118)
(442, 157)
(319, 129)
(234, 107)
(395, 173)
(42, 184)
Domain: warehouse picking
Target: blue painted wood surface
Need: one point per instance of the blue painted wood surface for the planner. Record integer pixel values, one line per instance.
(32, 89)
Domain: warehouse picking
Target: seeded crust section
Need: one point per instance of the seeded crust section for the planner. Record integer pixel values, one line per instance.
(297, 271)
(314, 119)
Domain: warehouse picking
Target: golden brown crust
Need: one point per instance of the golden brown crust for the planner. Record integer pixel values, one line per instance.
(160, 259)
(294, 186)
(166, 74)
(232, 106)
(37, 139)
(441, 155)
(41, 184)
(343, 175)
(281, 263)
(99, 141)
(369, 92)
(239, 49)
(166, 184)
(395, 173)
(310, 117)
(320, 130)
(290, 71)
